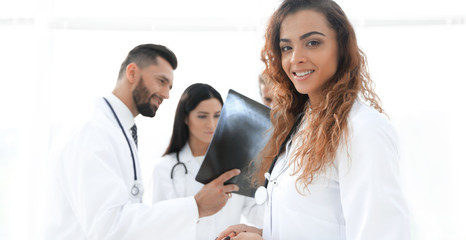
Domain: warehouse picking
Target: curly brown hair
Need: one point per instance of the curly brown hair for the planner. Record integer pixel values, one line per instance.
(327, 124)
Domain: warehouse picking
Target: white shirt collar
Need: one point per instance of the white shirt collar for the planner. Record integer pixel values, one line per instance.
(122, 111)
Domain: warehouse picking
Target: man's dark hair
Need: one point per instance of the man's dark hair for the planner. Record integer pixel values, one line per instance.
(145, 55)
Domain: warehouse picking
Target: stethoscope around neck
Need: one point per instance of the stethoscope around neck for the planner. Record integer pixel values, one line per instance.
(178, 163)
(261, 194)
(137, 190)
(179, 192)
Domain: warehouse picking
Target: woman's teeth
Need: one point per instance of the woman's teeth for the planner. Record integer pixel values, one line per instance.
(301, 74)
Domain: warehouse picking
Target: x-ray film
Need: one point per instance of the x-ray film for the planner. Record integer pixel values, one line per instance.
(242, 132)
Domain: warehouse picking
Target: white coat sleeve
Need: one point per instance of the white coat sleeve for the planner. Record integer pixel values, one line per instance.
(162, 187)
(371, 196)
(93, 182)
(253, 214)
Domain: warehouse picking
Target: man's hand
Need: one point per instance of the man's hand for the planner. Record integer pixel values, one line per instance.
(214, 195)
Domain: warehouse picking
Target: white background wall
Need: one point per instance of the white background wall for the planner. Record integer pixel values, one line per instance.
(56, 57)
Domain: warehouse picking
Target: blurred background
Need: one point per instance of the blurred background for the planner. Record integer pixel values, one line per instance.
(57, 57)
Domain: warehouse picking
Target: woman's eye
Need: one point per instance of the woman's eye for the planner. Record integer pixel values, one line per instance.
(313, 43)
(285, 48)
(201, 116)
(216, 115)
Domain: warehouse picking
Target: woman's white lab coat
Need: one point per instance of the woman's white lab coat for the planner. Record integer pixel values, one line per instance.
(92, 178)
(358, 198)
(184, 185)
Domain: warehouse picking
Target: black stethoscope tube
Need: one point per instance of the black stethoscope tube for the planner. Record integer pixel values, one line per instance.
(293, 129)
(178, 162)
(126, 137)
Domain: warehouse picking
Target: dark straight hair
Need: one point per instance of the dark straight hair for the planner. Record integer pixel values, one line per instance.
(189, 100)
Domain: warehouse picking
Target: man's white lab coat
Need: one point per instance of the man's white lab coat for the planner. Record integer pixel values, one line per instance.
(92, 179)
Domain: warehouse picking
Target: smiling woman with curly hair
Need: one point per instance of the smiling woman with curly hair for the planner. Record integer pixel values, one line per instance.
(331, 165)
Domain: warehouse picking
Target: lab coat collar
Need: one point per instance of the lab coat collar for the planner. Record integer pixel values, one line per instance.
(186, 155)
(122, 111)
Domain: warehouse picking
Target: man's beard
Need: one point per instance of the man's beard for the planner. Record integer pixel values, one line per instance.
(142, 99)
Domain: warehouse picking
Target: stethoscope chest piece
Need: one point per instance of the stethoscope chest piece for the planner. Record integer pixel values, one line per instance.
(137, 190)
(261, 195)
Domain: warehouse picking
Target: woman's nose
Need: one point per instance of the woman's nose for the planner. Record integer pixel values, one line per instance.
(298, 56)
(212, 122)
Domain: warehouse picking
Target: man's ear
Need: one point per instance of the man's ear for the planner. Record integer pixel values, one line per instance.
(131, 71)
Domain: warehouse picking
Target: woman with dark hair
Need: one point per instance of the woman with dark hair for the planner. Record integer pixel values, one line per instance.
(331, 165)
(196, 118)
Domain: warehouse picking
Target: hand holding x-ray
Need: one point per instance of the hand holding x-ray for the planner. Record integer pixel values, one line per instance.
(214, 195)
